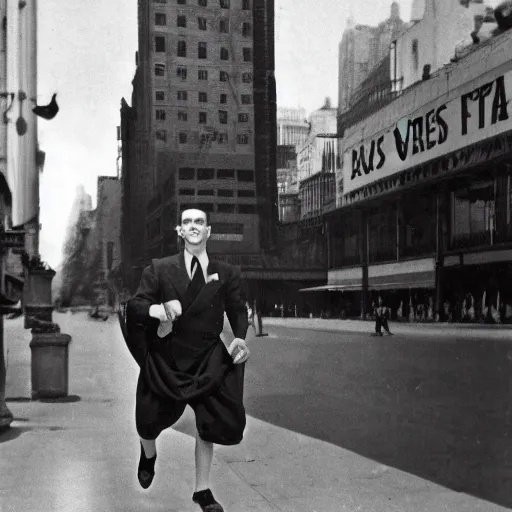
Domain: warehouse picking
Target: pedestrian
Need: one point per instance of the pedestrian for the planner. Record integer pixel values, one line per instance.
(191, 364)
(381, 318)
(250, 316)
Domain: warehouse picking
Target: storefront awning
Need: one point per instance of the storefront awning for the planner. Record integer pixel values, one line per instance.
(402, 281)
(333, 288)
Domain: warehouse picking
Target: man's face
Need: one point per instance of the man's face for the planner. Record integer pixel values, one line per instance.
(194, 228)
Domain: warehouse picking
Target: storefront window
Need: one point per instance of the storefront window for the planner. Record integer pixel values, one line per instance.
(417, 224)
(345, 233)
(382, 231)
(473, 214)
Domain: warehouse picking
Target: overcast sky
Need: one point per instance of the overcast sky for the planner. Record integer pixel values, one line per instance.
(87, 55)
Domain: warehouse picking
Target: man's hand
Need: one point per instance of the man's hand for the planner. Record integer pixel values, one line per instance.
(172, 309)
(238, 351)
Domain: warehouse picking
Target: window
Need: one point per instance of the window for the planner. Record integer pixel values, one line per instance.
(161, 135)
(246, 193)
(246, 5)
(205, 192)
(203, 97)
(201, 50)
(246, 99)
(223, 192)
(225, 208)
(160, 18)
(225, 174)
(205, 174)
(159, 95)
(159, 44)
(247, 52)
(224, 54)
(161, 1)
(222, 138)
(187, 192)
(182, 72)
(224, 26)
(207, 207)
(201, 23)
(473, 209)
(159, 69)
(246, 208)
(182, 2)
(224, 4)
(246, 78)
(202, 3)
(223, 76)
(183, 137)
(243, 175)
(182, 49)
(186, 173)
(182, 95)
(202, 74)
(182, 116)
(246, 29)
(160, 115)
(243, 118)
(202, 117)
(223, 116)
(181, 21)
(223, 98)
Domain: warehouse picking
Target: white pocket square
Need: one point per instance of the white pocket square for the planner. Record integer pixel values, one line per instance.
(213, 277)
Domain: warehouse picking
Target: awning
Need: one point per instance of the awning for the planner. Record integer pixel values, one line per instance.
(403, 281)
(333, 288)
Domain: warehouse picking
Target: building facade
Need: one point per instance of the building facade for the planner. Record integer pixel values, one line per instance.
(361, 49)
(201, 129)
(292, 126)
(424, 216)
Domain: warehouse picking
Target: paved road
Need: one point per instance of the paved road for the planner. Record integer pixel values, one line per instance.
(437, 407)
(399, 402)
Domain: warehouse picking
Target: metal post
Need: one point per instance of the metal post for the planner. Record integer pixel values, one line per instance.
(6, 416)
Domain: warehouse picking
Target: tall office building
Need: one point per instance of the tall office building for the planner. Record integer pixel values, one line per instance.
(201, 128)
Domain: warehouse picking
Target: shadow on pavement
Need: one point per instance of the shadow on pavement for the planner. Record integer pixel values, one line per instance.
(441, 411)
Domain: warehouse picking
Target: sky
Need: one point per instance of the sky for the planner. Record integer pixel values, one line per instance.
(86, 54)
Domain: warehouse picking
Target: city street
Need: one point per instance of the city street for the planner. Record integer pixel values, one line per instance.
(338, 421)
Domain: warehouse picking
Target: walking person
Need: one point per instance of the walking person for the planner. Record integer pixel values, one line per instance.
(381, 318)
(190, 364)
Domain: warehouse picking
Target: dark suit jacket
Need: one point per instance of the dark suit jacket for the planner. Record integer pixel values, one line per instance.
(192, 360)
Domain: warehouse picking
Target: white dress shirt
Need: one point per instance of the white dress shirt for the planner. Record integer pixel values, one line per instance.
(203, 260)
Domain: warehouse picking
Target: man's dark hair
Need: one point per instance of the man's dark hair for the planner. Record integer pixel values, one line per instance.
(189, 206)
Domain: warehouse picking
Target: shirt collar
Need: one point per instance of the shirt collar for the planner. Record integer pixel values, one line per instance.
(202, 257)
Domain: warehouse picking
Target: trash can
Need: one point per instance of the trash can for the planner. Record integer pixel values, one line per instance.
(50, 364)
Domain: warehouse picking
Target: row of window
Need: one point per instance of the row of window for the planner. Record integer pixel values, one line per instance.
(206, 173)
(161, 115)
(219, 137)
(202, 49)
(223, 4)
(202, 23)
(202, 74)
(226, 207)
(221, 192)
(245, 99)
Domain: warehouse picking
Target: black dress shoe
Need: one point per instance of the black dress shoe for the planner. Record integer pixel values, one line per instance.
(206, 501)
(146, 470)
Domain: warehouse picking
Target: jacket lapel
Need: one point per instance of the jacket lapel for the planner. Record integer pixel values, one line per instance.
(177, 277)
(205, 296)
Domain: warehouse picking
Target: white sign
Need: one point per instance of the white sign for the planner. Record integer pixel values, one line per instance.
(432, 132)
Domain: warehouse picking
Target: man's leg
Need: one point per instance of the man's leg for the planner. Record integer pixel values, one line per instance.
(204, 457)
(149, 446)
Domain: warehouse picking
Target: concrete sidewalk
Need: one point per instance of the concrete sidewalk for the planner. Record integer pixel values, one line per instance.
(496, 332)
(81, 454)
